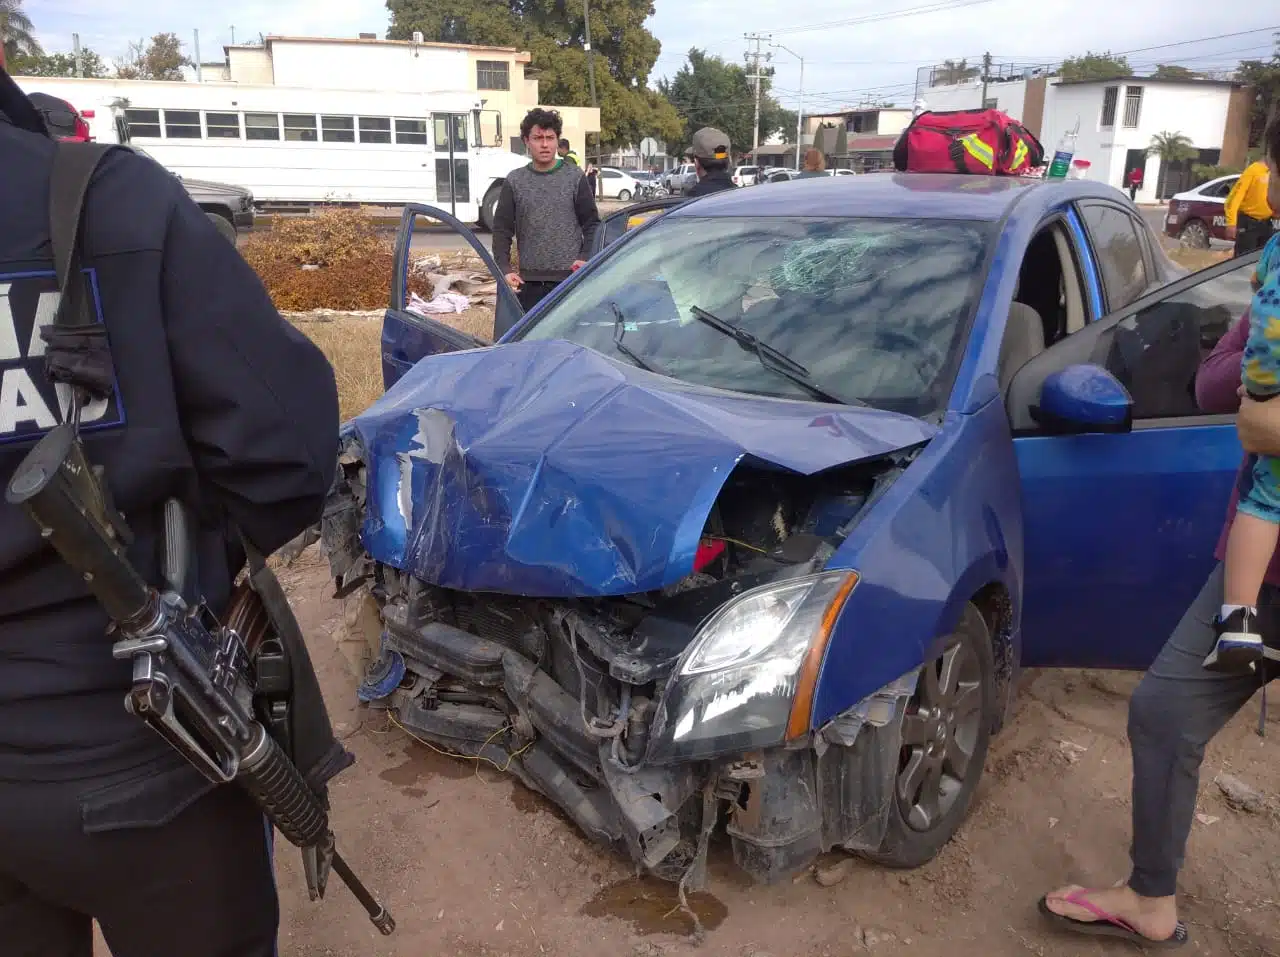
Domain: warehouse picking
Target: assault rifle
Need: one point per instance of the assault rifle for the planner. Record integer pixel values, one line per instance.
(193, 678)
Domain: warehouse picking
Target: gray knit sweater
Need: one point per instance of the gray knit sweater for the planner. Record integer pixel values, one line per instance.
(553, 218)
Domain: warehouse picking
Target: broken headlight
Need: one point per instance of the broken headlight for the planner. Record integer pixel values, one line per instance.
(747, 679)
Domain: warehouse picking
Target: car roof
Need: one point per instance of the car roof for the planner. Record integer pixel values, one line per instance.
(902, 196)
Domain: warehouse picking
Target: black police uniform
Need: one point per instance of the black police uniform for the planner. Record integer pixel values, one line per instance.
(219, 402)
(713, 182)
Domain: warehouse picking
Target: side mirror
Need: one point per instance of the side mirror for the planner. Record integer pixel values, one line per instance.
(1081, 399)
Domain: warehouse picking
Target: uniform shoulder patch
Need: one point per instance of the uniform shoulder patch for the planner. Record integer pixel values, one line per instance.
(30, 405)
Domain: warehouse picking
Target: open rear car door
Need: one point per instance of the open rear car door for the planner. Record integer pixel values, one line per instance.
(408, 336)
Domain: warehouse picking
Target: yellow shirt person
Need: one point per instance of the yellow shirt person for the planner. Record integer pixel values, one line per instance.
(1249, 195)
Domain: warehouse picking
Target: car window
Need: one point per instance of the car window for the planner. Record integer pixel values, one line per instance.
(610, 174)
(874, 310)
(1118, 251)
(1219, 190)
(1157, 351)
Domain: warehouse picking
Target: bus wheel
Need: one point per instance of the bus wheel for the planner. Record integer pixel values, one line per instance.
(489, 207)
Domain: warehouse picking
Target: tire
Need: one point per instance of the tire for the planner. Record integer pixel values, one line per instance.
(624, 196)
(489, 207)
(918, 829)
(1195, 234)
(224, 226)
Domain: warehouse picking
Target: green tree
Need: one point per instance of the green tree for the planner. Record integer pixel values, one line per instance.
(710, 92)
(1171, 71)
(1263, 79)
(1094, 66)
(59, 64)
(17, 32)
(1172, 147)
(553, 31)
(161, 59)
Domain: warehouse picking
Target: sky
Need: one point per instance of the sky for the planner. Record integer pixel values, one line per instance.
(853, 50)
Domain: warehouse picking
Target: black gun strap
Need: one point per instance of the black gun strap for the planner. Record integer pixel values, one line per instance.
(316, 750)
(77, 353)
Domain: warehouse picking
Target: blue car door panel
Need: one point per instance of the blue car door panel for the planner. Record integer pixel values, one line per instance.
(1120, 529)
(409, 336)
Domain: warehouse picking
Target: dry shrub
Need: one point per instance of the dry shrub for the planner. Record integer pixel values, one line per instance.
(355, 261)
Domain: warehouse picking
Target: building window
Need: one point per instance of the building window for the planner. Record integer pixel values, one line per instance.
(143, 122)
(991, 104)
(1132, 106)
(411, 131)
(375, 129)
(299, 128)
(338, 129)
(223, 126)
(262, 126)
(182, 124)
(493, 75)
(1109, 97)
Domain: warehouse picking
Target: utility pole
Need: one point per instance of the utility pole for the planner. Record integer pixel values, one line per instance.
(591, 79)
(986, 69)
(799, 99)
(753, 57)
(199, 68)
(75, 45)
(233, 34)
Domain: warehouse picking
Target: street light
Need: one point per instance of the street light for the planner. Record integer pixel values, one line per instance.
(799, 99)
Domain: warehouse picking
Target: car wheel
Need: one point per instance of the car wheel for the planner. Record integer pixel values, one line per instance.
(624, 196)
(1195, 234)
(945, 734)
(224, 226)
(489, 207)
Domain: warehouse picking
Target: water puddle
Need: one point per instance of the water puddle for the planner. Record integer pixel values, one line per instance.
(652, 906)
(421, 764)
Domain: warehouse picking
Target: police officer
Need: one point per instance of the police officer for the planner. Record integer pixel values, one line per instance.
(218, 402)
(710, 152)
(566, 153)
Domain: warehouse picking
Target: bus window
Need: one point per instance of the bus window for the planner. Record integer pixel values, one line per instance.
(450, 122)
(412, 132)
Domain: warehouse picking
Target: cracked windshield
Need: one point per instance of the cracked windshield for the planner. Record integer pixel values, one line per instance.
(851, 310)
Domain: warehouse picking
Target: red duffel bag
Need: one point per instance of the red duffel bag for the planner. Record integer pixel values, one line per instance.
(986, 142)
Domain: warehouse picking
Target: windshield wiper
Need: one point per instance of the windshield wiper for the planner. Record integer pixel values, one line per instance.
(619, 330)
(779, 362)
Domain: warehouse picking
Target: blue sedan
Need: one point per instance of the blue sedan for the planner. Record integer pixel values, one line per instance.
(757, 517)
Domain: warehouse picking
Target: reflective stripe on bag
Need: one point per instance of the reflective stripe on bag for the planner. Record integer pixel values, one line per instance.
(976, 147)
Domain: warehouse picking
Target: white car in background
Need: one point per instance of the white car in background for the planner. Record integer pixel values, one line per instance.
(745, 175)
(617, 184)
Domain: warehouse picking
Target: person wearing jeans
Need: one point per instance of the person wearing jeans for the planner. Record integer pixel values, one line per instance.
(1178, 707)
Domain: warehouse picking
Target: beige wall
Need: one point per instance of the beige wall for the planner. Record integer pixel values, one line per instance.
(251, 66)
(513, 104)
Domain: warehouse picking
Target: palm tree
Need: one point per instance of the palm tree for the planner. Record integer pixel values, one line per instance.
(17, 31)
(1174, 150)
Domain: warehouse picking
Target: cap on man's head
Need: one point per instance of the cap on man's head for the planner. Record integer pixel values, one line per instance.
(710, 144)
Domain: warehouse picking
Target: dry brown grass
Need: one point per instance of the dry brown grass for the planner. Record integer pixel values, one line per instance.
(1197, 259)
(353, 347)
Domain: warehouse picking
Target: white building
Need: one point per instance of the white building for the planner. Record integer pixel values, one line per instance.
(1117, 119)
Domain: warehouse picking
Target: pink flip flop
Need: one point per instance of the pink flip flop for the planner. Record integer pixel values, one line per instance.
(1108, 925)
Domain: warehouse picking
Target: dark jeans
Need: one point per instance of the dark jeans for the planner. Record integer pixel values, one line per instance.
(166, 865)
(1251, 233)
(1175, 711)
(532, 293)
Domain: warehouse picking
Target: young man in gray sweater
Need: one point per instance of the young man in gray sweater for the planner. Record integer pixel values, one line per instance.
(548, 208)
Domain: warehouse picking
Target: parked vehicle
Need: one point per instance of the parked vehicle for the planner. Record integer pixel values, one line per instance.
(762, 511)
(787, 175)
(296, 148)
(745, 175)
(617, 184)
(229, 208)
(681, 179)
(1196, 215)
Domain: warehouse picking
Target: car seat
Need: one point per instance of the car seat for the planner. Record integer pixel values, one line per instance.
(1023, 341)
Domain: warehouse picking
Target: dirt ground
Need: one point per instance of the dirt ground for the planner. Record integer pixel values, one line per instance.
(473, 865)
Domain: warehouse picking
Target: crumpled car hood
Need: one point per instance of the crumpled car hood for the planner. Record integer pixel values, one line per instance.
(546, 469)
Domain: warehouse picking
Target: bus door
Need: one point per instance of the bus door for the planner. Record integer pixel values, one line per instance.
(453, 172)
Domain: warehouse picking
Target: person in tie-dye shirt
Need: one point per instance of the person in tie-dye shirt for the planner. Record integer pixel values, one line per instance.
(1256, 528)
